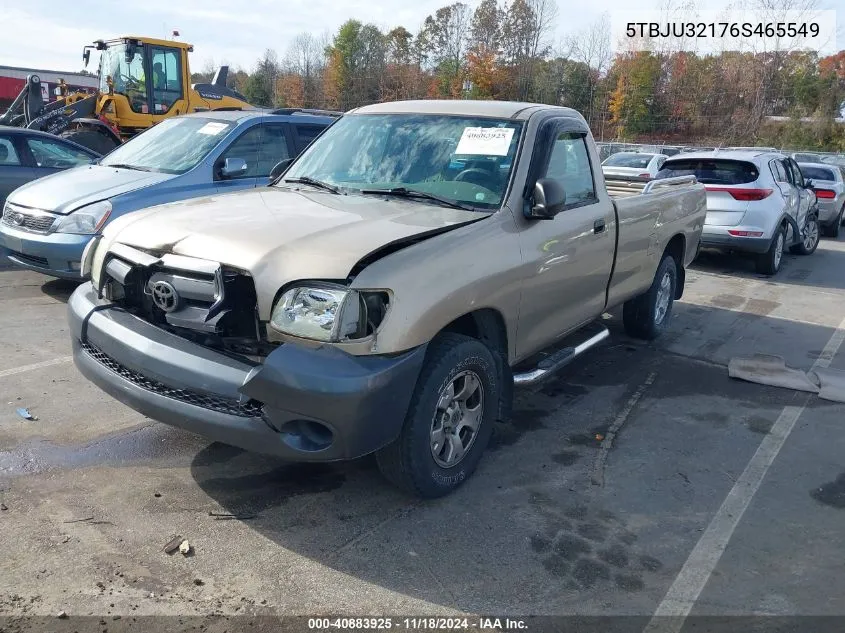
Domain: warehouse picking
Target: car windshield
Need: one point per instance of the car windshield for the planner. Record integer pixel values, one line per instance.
(817, 173)
(462, 159)
(625, 159)
(710, 171)
(173, 146)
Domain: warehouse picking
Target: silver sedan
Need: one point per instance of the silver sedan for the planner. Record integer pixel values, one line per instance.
(828, 181)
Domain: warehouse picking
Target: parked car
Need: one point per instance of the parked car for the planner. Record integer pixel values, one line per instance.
(387, 293)
(834, 159)
(757, 202)
(828, 183)
(26, 155)
(807, 157)
(633, 164)
(47, 224)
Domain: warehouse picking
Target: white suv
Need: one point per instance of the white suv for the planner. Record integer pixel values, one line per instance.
(757, 202)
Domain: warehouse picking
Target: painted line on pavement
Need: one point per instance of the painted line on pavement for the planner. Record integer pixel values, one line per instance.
(679, 600)
(25, 368)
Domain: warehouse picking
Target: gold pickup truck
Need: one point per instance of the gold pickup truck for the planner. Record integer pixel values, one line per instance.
(415, 263)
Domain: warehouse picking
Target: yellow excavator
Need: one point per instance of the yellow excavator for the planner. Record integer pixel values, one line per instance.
(142, 81)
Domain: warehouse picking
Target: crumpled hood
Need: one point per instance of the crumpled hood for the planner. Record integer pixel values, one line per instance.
(69, 190)
(280, 235)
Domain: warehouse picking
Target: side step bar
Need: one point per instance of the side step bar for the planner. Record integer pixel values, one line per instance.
(559, 359)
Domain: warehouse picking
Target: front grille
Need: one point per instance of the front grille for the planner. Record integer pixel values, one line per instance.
(249, 409)
(20, 218)
(31, 259)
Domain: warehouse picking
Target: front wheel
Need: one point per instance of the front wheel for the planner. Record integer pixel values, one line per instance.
(449, 421)
(810, 236)
(646, 316)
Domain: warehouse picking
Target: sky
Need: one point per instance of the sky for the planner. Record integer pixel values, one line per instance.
(50, 34)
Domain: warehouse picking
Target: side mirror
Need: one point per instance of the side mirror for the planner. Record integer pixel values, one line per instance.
(279, 167)
(548, 200)
(86, 56)
(233, 167)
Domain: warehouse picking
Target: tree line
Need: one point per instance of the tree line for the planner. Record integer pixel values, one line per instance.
(505, 51)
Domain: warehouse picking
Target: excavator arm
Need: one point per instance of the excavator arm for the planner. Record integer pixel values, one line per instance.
(27, 106)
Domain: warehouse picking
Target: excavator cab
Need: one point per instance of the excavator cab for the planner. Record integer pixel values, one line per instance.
(142, 81)
(145, 80)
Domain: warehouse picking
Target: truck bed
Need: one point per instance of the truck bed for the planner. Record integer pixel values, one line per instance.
(648, 214)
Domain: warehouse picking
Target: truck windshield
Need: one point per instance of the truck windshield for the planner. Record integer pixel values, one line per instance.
(463, 159)
(172, 147)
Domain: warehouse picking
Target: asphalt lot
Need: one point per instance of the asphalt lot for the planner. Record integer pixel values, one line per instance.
(550, 524)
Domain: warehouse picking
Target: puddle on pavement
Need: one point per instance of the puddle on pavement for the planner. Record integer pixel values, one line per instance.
(154, 441)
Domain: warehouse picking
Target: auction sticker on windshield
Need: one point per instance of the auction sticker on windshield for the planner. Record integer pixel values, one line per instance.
(212, 128)
(488, 141)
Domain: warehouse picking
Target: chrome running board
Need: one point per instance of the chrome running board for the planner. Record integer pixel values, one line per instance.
(559, 359)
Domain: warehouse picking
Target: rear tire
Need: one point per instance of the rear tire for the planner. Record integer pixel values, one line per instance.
(437, 449)
(93, 140)
(646, 316)
(769, 263)
(810, 235)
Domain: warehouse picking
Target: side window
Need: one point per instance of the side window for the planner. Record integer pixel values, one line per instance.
(248, 147)
(274, 147)
(778, 171)
(166, 78)
(307, 133)
(570, 164)
(54, 155)
(8, 156)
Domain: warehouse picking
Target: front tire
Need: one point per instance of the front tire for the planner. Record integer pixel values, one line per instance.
(769, 263)
(810, 236)
(646, 316)
(449, 421)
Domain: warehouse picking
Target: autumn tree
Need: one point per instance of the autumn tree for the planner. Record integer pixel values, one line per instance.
(443, 41)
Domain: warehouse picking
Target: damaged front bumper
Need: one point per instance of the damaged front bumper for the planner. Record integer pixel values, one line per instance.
(302, 404)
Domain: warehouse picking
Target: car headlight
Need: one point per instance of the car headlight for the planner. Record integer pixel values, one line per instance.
(325, 312)
(86, 220)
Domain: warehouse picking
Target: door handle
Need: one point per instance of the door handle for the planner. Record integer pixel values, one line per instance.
(598, 226)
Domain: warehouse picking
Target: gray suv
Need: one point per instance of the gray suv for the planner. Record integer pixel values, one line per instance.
(757, 202)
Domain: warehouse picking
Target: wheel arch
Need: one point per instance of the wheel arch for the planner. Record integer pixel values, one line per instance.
(488, 326)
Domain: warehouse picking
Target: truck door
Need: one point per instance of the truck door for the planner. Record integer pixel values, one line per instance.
(570, 255)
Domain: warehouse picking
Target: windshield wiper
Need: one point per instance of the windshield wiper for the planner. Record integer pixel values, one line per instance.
(305, 180)
(404, 192)
(126, 166)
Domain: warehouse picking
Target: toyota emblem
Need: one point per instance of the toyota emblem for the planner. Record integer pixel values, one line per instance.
(17, 218)
(165, 296)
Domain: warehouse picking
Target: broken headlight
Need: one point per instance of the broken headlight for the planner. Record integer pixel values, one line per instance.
(328, 312)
